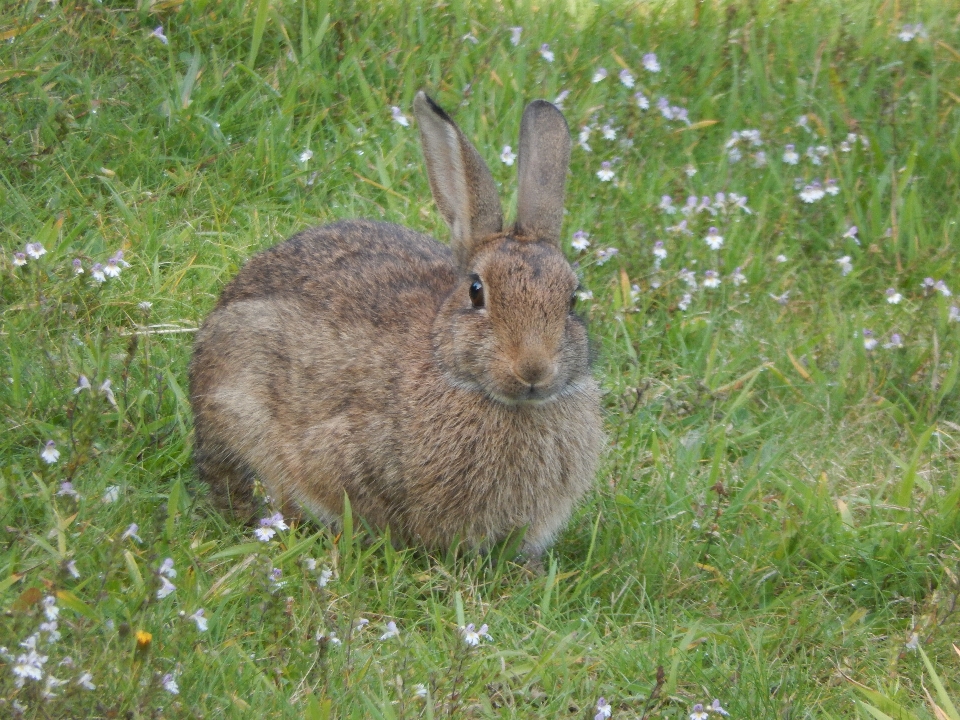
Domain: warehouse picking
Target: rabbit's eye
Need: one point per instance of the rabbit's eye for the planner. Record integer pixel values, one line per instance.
(573, 302)
(476, 292)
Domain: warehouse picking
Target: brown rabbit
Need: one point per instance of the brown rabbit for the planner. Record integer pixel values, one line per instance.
(446, 391)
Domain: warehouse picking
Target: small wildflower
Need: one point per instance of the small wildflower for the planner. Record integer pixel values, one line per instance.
(790, 156)
(470, 38)
(77, 266)
(605, 254)
(699, 713)
(145, 305)
(659, 251)
(913, 643)
(50, 454)
(643, 102)
(909, 32)
(515, 33)
(734, 155)
(803, 121)
(941, 287)
(71, 568)
(954, 315)
(689, 277)
(781, 258)
(96, 272)
(419, 690)
(715, 707)
(679, 229)
(650, 63)
(50, 609)
(200, 620)
(609, 132)
(603, 709)
(626, 78)
(869, 341)
(275, 521)
(472, 636)
(605, 173)
(19, 259)
(851, 233)
(666, 204)
(307, 154)
(846, 267)
(112, 268)
(398, 116)
(158, 34)
(599, 75)
(107, 390)
(166, 569)
(264, 534)
(35, 250)
(144, 639)
(546, 53)
(685, 301)
(84, 681)
(895, 343)
(711, 279)
(169, 683)
(893, 297)
(580, 241)
(738, 278)
(812, 192)
(166, 588)
(714, 239)
(131, 532)
(759, 159)
(584, 137)
(507, 156)
(690, 170)
(111, 494)
(813, 155)
(391, 632)
(663, 105)
(324, 577)
(559, 99)
(585, 295)
(781, 299)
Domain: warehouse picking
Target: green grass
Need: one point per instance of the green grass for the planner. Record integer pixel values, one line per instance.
(777, 515)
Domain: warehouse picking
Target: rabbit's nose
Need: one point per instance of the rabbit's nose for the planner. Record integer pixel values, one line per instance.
(535, 371)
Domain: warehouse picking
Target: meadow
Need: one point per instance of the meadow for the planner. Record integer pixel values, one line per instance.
(763, 206)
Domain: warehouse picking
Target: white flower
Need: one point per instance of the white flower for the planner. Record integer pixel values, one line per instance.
(307, 154)
(909, 32)
(781, 299)
(812, 192)
(112, 268)
(398, 116)
(29, 666)
(685, 301)
(559, 99)
(689, 277)
(714, 239)
(515, 35)
(158, 34)
(111, 494)
(50, 454)
(759, 159)
(605, 254)
(264, 534)
(715, 707)
(131, 532)
(954, 315)
(584, 137)
(734, 155)
(609, 132)
(650, 63)
(781, 258)
(19, 259)
(626, 77)
(71, 568)
(913, 643)
(845, 265)
(790, 156)
(599, 75)
(166, 569)
(66, 488)
(711, 279)
(851, 233)
(96, 272)
(603, 710)
(419, 690)
(941, 287)
(580, 241)
(84, 681)
(82, 384)
(391, 632)
(738, 278)
(659, 251)
(643, 102)
(831, 187)
(813, 155)
(507, 156)
(690, 170)
(472, 636)
(107, 391)
(803, 122)
(585, 295)
(896, 342)
(324, 577)
(893, 297)
(166, 587)
(200, 620)
(605, 173)
(546, 53)
(35, 250)
(699, 713)
(50, 609)
(170, 684)
(666, 204)
(869, 342)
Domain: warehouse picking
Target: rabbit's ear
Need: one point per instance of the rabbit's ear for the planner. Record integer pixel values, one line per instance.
(460, 180)
(544, 157)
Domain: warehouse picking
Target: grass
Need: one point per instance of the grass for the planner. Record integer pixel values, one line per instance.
(775, 524)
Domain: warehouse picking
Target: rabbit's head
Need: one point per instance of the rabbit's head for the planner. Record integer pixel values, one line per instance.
(508, 329)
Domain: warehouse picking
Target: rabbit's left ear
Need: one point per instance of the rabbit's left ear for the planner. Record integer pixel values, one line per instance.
(460, 180)
(543, 159)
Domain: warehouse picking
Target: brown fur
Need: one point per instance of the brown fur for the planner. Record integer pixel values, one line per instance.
(350, 359)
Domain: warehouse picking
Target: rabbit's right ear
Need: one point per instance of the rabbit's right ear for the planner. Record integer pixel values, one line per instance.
(460, 180)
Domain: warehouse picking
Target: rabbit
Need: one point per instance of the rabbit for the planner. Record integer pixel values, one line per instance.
(446, 391)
